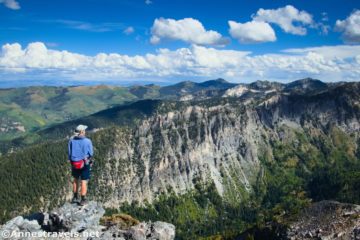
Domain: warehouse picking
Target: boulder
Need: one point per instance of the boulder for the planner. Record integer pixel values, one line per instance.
(75, 218)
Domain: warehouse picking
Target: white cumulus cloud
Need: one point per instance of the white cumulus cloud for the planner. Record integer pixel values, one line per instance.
(288, 18)
(188, 30)
(252, 32)
(36, 61)
(12, 4)
(350, 27)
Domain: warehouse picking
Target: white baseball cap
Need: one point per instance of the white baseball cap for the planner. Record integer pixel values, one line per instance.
(80, 128)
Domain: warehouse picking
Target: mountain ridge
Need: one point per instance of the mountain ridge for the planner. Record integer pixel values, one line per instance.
(252, 91)
(25, 110)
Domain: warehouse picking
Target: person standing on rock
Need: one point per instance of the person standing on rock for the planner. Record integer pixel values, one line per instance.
(80, 154)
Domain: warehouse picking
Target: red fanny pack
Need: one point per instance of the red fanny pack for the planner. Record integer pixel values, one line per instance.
(77, 164)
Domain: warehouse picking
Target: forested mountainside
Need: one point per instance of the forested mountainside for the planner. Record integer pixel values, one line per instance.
(28, 109)
(236, 159)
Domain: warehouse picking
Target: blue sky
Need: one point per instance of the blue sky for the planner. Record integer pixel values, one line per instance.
(77, 40)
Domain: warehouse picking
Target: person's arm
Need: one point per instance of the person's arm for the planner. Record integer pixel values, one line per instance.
(69, 150)
(90, 150)
(90, 153)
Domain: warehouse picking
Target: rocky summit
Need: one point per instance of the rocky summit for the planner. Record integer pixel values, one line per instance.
(81, 222)
(324, 220)
(327, 220)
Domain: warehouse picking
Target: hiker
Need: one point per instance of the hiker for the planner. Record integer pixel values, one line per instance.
(80, 157)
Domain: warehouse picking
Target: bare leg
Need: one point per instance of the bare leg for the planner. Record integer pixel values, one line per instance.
(75, 190)
(83, 187)
(75, 185)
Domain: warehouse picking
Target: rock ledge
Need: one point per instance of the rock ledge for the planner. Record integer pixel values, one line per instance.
(81, 222)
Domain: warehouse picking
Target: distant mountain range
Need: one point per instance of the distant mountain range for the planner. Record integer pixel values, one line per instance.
(226, 157)
(26, 110)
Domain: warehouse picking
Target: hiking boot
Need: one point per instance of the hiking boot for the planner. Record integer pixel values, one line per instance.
(75, 199)
(83, 201)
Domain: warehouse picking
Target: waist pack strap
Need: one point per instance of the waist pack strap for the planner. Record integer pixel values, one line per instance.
(78, 164)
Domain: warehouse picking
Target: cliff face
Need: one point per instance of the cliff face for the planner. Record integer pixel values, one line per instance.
(224, 142)
(174, 151)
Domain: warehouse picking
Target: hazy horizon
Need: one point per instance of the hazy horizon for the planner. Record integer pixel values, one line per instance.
(11, 84)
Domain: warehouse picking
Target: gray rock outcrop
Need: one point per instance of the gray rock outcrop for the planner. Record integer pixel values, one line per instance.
(80, 222)
(327, 220)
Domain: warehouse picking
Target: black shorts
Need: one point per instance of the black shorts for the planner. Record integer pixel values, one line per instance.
(83, 174)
